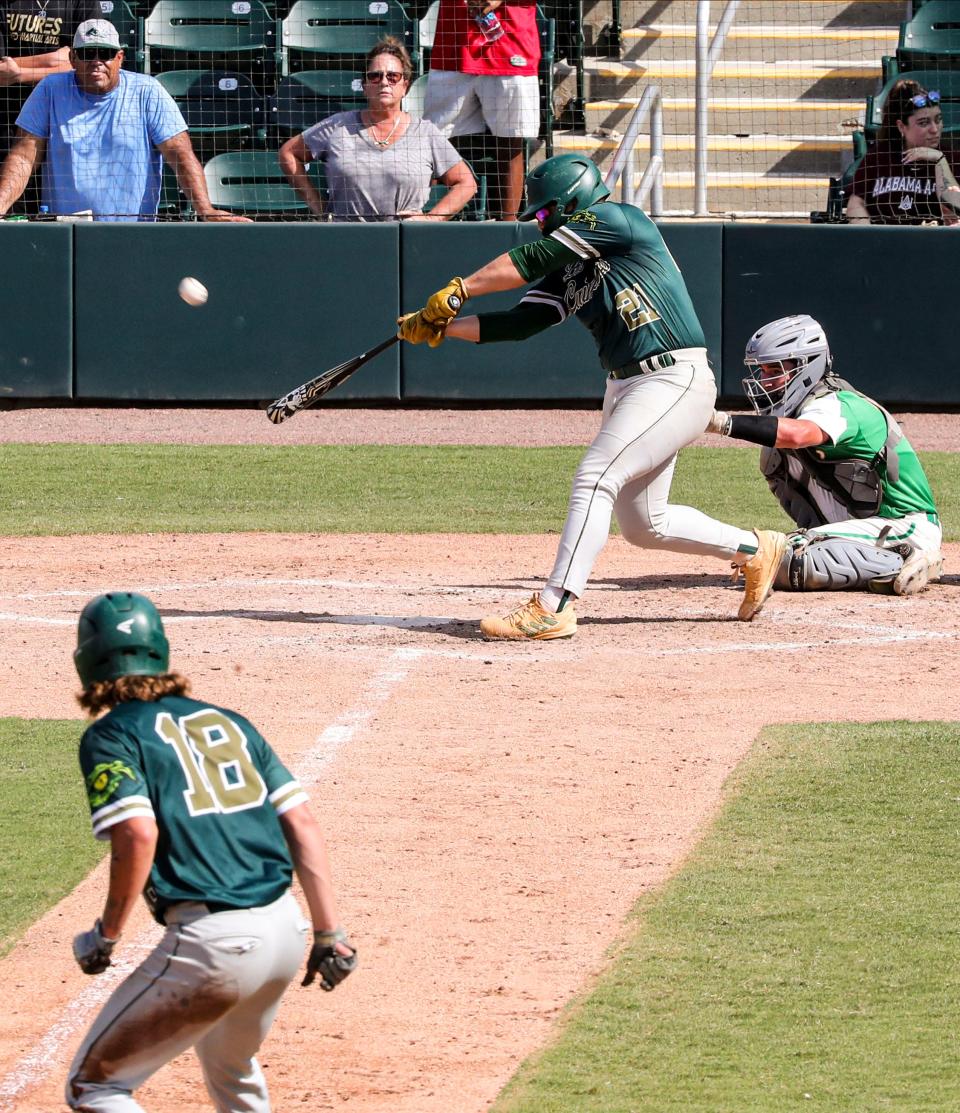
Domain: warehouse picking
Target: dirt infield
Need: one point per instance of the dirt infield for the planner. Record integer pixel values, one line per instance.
(494, 810)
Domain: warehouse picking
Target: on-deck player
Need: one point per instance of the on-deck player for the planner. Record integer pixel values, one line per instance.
(606, 264)
(204, 819)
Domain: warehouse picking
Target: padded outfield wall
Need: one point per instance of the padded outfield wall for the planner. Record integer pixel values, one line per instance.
(91, 312)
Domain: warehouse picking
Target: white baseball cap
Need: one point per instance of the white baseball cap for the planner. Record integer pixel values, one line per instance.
(96, 32)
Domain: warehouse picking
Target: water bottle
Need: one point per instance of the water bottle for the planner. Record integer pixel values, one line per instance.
(490, 26)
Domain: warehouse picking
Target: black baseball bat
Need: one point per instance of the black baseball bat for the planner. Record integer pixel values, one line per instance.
(309, 392)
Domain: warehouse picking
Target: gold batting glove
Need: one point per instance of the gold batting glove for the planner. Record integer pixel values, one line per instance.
(415, 329)
(445, 304)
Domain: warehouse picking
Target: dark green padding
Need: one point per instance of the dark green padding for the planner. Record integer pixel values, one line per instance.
(883, 294)
(286, 302)
(36, 322)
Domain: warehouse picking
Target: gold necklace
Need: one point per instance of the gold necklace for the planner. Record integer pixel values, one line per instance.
(386, 141)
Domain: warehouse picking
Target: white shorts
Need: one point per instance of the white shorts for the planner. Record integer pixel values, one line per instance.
(468, 104)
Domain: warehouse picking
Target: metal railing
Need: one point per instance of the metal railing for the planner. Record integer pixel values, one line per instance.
(708, 54)
(651, 182)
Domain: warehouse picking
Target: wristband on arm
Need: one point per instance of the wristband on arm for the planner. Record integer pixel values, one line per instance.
(757, 428)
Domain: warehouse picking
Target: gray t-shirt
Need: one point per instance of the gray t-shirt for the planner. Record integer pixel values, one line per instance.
(367, 182)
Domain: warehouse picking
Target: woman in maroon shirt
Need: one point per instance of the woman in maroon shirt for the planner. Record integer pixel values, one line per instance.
(905, 174)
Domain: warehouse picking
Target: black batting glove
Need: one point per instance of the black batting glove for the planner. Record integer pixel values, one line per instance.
(324, 959)
(92, 950)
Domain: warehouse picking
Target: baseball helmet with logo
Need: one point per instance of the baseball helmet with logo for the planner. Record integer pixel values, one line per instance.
(120, 634)
(569, 182)
(786, 359)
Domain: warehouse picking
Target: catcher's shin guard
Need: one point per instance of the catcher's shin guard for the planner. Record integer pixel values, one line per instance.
(837, 564)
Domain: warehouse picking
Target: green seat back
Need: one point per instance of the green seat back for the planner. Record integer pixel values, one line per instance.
(230, 34)
(304, 98)
(318, 31)
(945, 81)
(252, 182)
(124, 18)
(934, 32)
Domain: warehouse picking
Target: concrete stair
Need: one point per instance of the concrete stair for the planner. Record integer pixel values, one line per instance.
(787, 92)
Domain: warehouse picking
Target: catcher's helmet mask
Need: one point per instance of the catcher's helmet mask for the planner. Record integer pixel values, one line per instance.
(798, 347)
(562, 185)
(120, 634)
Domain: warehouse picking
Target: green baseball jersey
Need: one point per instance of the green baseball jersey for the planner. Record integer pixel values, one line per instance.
(620, 280)
(858, 430)
(213, 786)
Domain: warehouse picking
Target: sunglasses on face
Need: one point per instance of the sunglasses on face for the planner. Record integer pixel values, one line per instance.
(921, 100)
(96, 53)
(375, 77)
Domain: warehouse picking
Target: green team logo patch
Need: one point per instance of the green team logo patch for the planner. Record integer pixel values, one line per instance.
(585, 216)
(103, 779)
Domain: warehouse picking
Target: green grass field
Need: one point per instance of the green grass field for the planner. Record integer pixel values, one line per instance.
(356, 489)
(804, 959)
(46, 846)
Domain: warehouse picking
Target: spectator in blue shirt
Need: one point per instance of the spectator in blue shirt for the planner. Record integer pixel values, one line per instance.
(101, 134)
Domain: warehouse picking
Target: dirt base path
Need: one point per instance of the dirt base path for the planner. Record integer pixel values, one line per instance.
(494, 810)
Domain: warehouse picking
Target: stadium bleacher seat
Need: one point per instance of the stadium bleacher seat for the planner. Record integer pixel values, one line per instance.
(251, 182)
(946, 82)
(223, 110)
(213, 34)
(305, 97)
(338, 33)
(932, 37)
(416, 95)
(124, 18)
(476, 207)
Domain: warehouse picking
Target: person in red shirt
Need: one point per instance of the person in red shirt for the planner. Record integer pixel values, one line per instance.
(483, 75)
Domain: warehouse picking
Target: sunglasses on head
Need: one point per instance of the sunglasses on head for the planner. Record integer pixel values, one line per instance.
(921, 100)
(98, 53)
(376, 76)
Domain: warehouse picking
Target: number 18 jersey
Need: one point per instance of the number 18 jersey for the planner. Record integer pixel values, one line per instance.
(212, 784)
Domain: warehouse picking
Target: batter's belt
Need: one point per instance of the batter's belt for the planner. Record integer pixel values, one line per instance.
(186, 911)
(655, 363)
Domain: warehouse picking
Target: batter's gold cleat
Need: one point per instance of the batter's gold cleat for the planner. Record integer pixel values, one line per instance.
(760, 571)
(531, 622)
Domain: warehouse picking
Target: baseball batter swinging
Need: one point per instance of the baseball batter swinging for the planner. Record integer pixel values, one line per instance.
(839, 465)
(204, 819)
(606, 264)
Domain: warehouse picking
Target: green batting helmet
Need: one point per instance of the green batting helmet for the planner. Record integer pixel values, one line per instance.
(572, 181)
(120, 634)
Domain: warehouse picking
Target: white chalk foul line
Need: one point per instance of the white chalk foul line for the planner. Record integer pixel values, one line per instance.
(33, 1067)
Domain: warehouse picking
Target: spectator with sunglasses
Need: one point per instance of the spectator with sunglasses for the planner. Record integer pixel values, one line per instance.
(35, 38)
(379, 161)
(101, 134)
(905, 177)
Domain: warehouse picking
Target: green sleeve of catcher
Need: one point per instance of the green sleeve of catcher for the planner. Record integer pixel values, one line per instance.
(519, 323)
(541, 257)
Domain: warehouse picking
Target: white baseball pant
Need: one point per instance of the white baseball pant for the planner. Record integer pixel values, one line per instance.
(214, 983)
(628, 469)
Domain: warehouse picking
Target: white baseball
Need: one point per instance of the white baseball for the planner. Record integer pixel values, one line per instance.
(192, 291)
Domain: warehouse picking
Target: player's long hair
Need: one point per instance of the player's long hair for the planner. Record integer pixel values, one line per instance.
(102, 695)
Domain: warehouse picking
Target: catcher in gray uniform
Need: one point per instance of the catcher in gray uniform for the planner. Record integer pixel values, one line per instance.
(204, 820)
(839, 465)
